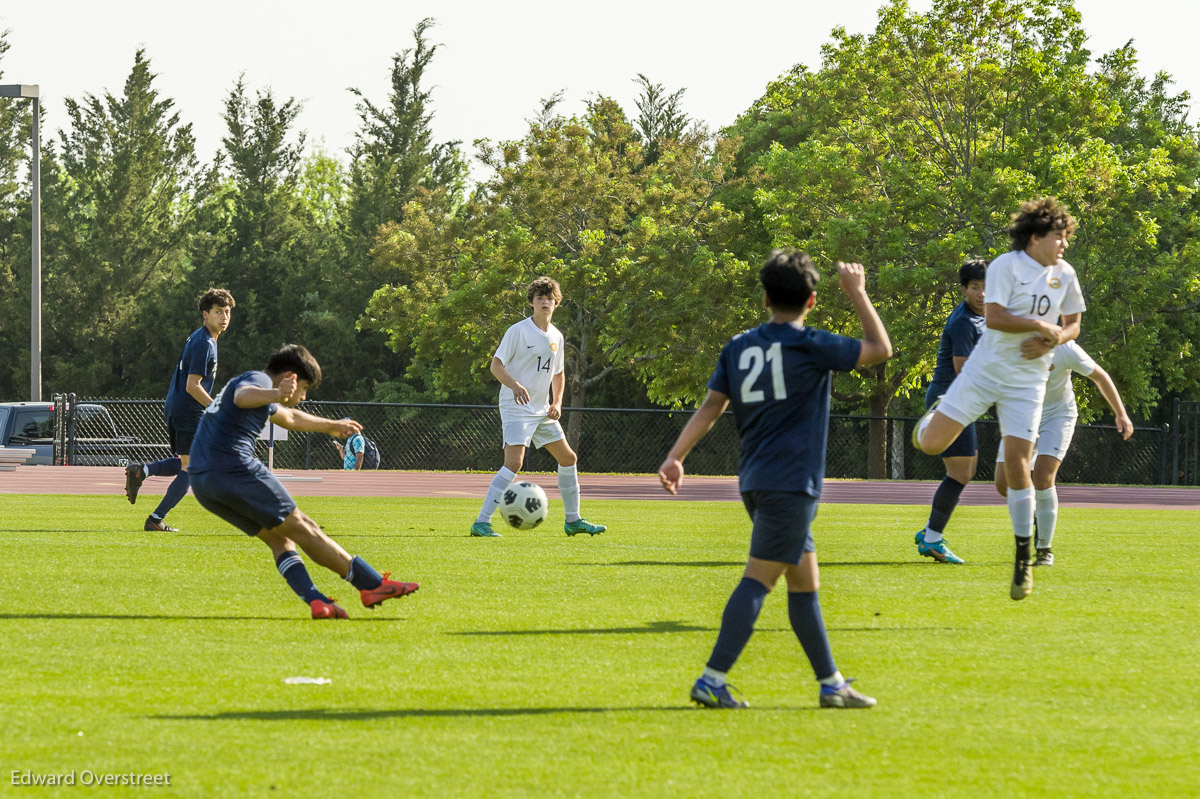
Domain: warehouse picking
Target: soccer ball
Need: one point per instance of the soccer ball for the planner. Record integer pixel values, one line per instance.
(524, 505)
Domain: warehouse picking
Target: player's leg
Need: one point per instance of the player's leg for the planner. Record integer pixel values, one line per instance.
(136, 473)
(1045, 477)
(960, 459)
(517, 435)
(219, 493)
(744, 605)
(550, 435)
(1001, 477)
(1017, 452)
(181, 443)
(373, 587)
(935, 432)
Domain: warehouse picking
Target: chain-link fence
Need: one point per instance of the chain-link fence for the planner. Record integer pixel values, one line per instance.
(467, 438)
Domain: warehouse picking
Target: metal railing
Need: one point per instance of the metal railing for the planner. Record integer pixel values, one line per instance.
(428, 437)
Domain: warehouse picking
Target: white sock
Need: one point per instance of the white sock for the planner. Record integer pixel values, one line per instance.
(713, 677)
(931, 536)
(1047, 515)
(491, 502)
(146, 470)
(834, 679)
(1020, 510)
(568, 487)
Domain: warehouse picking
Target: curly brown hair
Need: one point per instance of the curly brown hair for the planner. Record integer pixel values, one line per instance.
(216, 297)
(544, 287)
(1037, 218)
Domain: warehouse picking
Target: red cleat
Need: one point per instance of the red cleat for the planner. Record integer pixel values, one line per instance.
(388, 589)
(327, 610)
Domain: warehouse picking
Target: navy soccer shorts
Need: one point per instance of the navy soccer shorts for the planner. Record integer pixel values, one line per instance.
(248, 497)
(782, 524)
(180, 440)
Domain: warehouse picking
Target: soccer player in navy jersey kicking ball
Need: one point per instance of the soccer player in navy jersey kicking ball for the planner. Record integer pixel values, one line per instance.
(1055, 431)
(777, 377)
(188, 395)
(1028, 289)
(529, 364)
(962, 331)
(229, 481)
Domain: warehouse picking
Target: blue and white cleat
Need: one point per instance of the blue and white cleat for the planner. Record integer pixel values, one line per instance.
(844, 696)
(938, 551)
(710, 696)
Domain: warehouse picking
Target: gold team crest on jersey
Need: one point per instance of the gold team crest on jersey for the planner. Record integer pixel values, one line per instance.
(1055, 283)
(554, 344)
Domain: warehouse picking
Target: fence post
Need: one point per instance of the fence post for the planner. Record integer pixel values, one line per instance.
(897, 453)
(1164, 431)
(70, 429)
(1175, 441)
(307, 451)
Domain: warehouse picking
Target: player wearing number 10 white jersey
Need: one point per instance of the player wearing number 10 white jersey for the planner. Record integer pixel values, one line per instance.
(529, 365)
(1028, 290)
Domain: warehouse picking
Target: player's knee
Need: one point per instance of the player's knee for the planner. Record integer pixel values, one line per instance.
(569, 458)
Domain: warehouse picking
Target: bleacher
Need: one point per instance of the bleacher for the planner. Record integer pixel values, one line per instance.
(12, 457)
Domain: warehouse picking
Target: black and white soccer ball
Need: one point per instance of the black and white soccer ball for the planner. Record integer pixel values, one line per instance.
(523, 505)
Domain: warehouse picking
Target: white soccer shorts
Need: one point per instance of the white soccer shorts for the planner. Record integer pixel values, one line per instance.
(1017, 407)
(531, 431)
(1054, 437)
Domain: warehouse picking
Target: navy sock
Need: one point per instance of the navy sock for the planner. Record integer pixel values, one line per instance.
(945, 500)
(737, 623)
(176, 491)
(292, 568)
(362, 576)
(804, 611)
(167, 467)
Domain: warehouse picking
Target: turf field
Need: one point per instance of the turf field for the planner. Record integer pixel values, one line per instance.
(537, 665)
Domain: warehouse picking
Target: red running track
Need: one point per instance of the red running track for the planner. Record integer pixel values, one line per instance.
(111, 480)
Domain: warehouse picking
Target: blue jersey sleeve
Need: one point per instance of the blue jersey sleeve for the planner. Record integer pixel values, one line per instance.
(964, 335)
(838, 353)
(720, 376)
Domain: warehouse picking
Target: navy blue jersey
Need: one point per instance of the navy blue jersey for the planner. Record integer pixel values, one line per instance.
(960, 335)
(226, 436)
(199, 357)
(778, 377)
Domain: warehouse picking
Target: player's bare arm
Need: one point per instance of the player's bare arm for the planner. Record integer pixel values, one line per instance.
(303, 422)
(558, 384)
(1108, 389)
(520, 393)
(670, 473)
(876, 346)
(196, 390)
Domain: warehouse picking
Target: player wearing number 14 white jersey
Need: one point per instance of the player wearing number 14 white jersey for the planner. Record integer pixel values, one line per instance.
(529, 365)
(1028, 290)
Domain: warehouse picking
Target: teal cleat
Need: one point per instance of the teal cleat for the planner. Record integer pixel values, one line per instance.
(709, 696)
(583, 526)
(939, 551)
(483, 530)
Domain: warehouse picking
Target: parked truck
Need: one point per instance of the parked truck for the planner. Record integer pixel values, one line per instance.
(92, 439)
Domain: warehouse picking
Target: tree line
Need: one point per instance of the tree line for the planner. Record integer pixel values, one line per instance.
(905, 149)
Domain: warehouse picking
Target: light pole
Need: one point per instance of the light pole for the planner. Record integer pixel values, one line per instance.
(35, 281)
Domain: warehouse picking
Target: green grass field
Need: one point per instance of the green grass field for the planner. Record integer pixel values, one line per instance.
(537, 665)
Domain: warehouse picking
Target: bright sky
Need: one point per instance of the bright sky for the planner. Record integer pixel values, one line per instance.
(497, 59)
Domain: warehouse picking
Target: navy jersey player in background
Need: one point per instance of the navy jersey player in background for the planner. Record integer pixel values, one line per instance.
(188, 395)
(229, 481)
(962, 331)
(777, 377)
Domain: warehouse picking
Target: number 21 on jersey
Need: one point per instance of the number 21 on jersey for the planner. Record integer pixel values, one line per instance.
(751, 362)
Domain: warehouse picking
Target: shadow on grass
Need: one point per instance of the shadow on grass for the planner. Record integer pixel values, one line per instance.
(165, 617)
(692, 563)
(327, 714)
(649, 627)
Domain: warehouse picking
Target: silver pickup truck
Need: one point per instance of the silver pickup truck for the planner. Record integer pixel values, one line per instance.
(30, 425)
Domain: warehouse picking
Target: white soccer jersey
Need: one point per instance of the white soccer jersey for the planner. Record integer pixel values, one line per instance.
(1028, 289)
(532, 358)
(1060, 394)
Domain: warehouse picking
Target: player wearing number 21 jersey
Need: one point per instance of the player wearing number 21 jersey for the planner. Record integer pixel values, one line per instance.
(777, 378)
